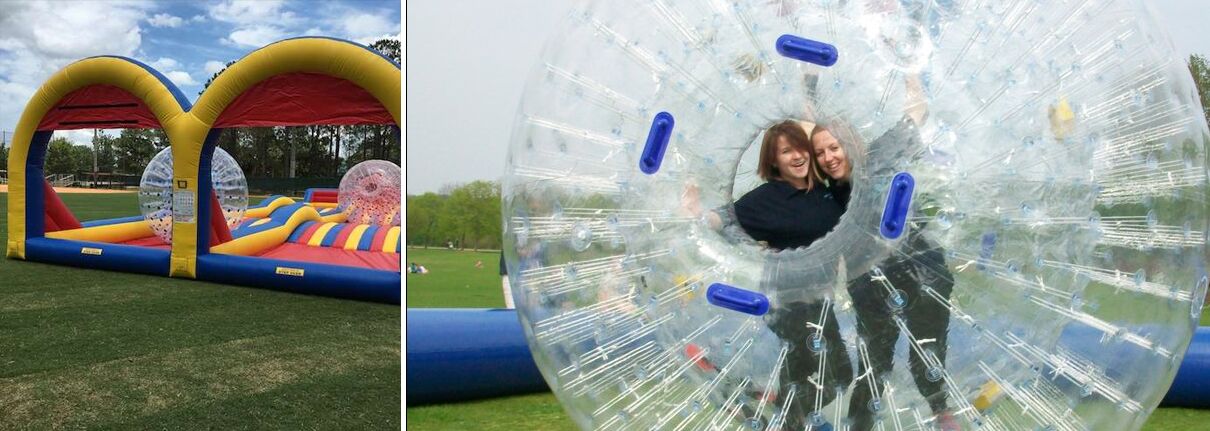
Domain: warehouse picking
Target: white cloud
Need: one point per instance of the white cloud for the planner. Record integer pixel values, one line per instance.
(172, 70)
(165, 20)
(358, 25)
(75, 31)
(79, 137)
(213, 67)
(39, 38)
(250, 12)
(164, 63)
(255, 36)
(256, 22)
(198, 18)
(180, 78)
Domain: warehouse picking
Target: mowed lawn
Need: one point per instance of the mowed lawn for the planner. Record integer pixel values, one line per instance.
(455, 282)
(92, 349)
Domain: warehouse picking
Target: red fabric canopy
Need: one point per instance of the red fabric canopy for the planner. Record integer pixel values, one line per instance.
(99, 107)
(290, 99)
(301, 99)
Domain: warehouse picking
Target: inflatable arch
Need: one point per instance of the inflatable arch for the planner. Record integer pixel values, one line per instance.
(336, 82)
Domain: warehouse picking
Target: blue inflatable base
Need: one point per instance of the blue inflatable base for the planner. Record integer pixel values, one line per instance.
(1191, 388)
(462, 354)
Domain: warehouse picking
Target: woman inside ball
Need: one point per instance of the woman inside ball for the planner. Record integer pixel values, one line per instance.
(791, 210)
(880, 317)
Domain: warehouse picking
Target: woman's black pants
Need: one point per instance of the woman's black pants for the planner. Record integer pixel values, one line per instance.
(926, 318)
(798, 324)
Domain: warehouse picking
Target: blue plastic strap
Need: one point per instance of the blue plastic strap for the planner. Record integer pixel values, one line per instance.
(898, 202)
(807, 50)
(657, 142)
(734, 298)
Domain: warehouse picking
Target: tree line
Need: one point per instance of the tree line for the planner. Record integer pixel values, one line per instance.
(464, 216)
(262, 152)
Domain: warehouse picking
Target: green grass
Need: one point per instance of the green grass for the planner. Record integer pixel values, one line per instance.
(538, 412)
(82, 348)
(455, 282)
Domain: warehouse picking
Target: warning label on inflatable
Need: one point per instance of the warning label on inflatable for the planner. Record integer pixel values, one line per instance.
(91, 251)
(182, 206)
(297, 272)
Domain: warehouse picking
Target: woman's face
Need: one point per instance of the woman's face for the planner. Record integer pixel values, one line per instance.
(792, 163)
(831, 156)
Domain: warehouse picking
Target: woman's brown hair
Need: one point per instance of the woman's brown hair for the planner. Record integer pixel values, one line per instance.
(797, 137)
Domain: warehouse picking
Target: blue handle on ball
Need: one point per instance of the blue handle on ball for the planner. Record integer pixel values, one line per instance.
(898, 202)
(807, 50)
(657, 142)
(734, 298)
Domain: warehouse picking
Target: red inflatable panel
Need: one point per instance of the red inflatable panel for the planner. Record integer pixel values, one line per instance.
(343, 236)
(307, 234)
(99, 106)
(380, 238)
(151, 242)
(325, 196)
(48, 224)
(300, 99)
(58, 217)
(219, 232)
(335, 256)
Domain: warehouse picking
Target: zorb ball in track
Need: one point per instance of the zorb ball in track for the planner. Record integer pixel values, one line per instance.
(155, 191)
(369, 193)
(1024, 246)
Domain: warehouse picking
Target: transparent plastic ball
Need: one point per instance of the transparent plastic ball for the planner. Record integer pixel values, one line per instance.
(1053, 267)
(155, 191)
(369, 193)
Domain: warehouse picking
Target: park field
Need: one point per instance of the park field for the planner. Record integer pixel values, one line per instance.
(454, 281)
(86, 349)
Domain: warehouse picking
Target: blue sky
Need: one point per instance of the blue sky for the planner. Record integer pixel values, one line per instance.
(186, 41)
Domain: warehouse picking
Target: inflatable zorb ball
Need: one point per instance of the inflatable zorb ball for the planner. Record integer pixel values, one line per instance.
(155, 191)
(1024, 248)
(369, 193)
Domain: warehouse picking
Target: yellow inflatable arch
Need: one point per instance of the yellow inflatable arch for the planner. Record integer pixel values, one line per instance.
(333, 81)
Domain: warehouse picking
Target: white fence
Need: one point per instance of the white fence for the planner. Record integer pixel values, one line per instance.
(61, 180)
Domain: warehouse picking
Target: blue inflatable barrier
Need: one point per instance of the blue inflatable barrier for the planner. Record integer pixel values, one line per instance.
(1191, 388)
(461, 354)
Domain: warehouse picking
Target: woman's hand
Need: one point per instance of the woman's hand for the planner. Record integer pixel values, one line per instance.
(916, 105)
(691, 204)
